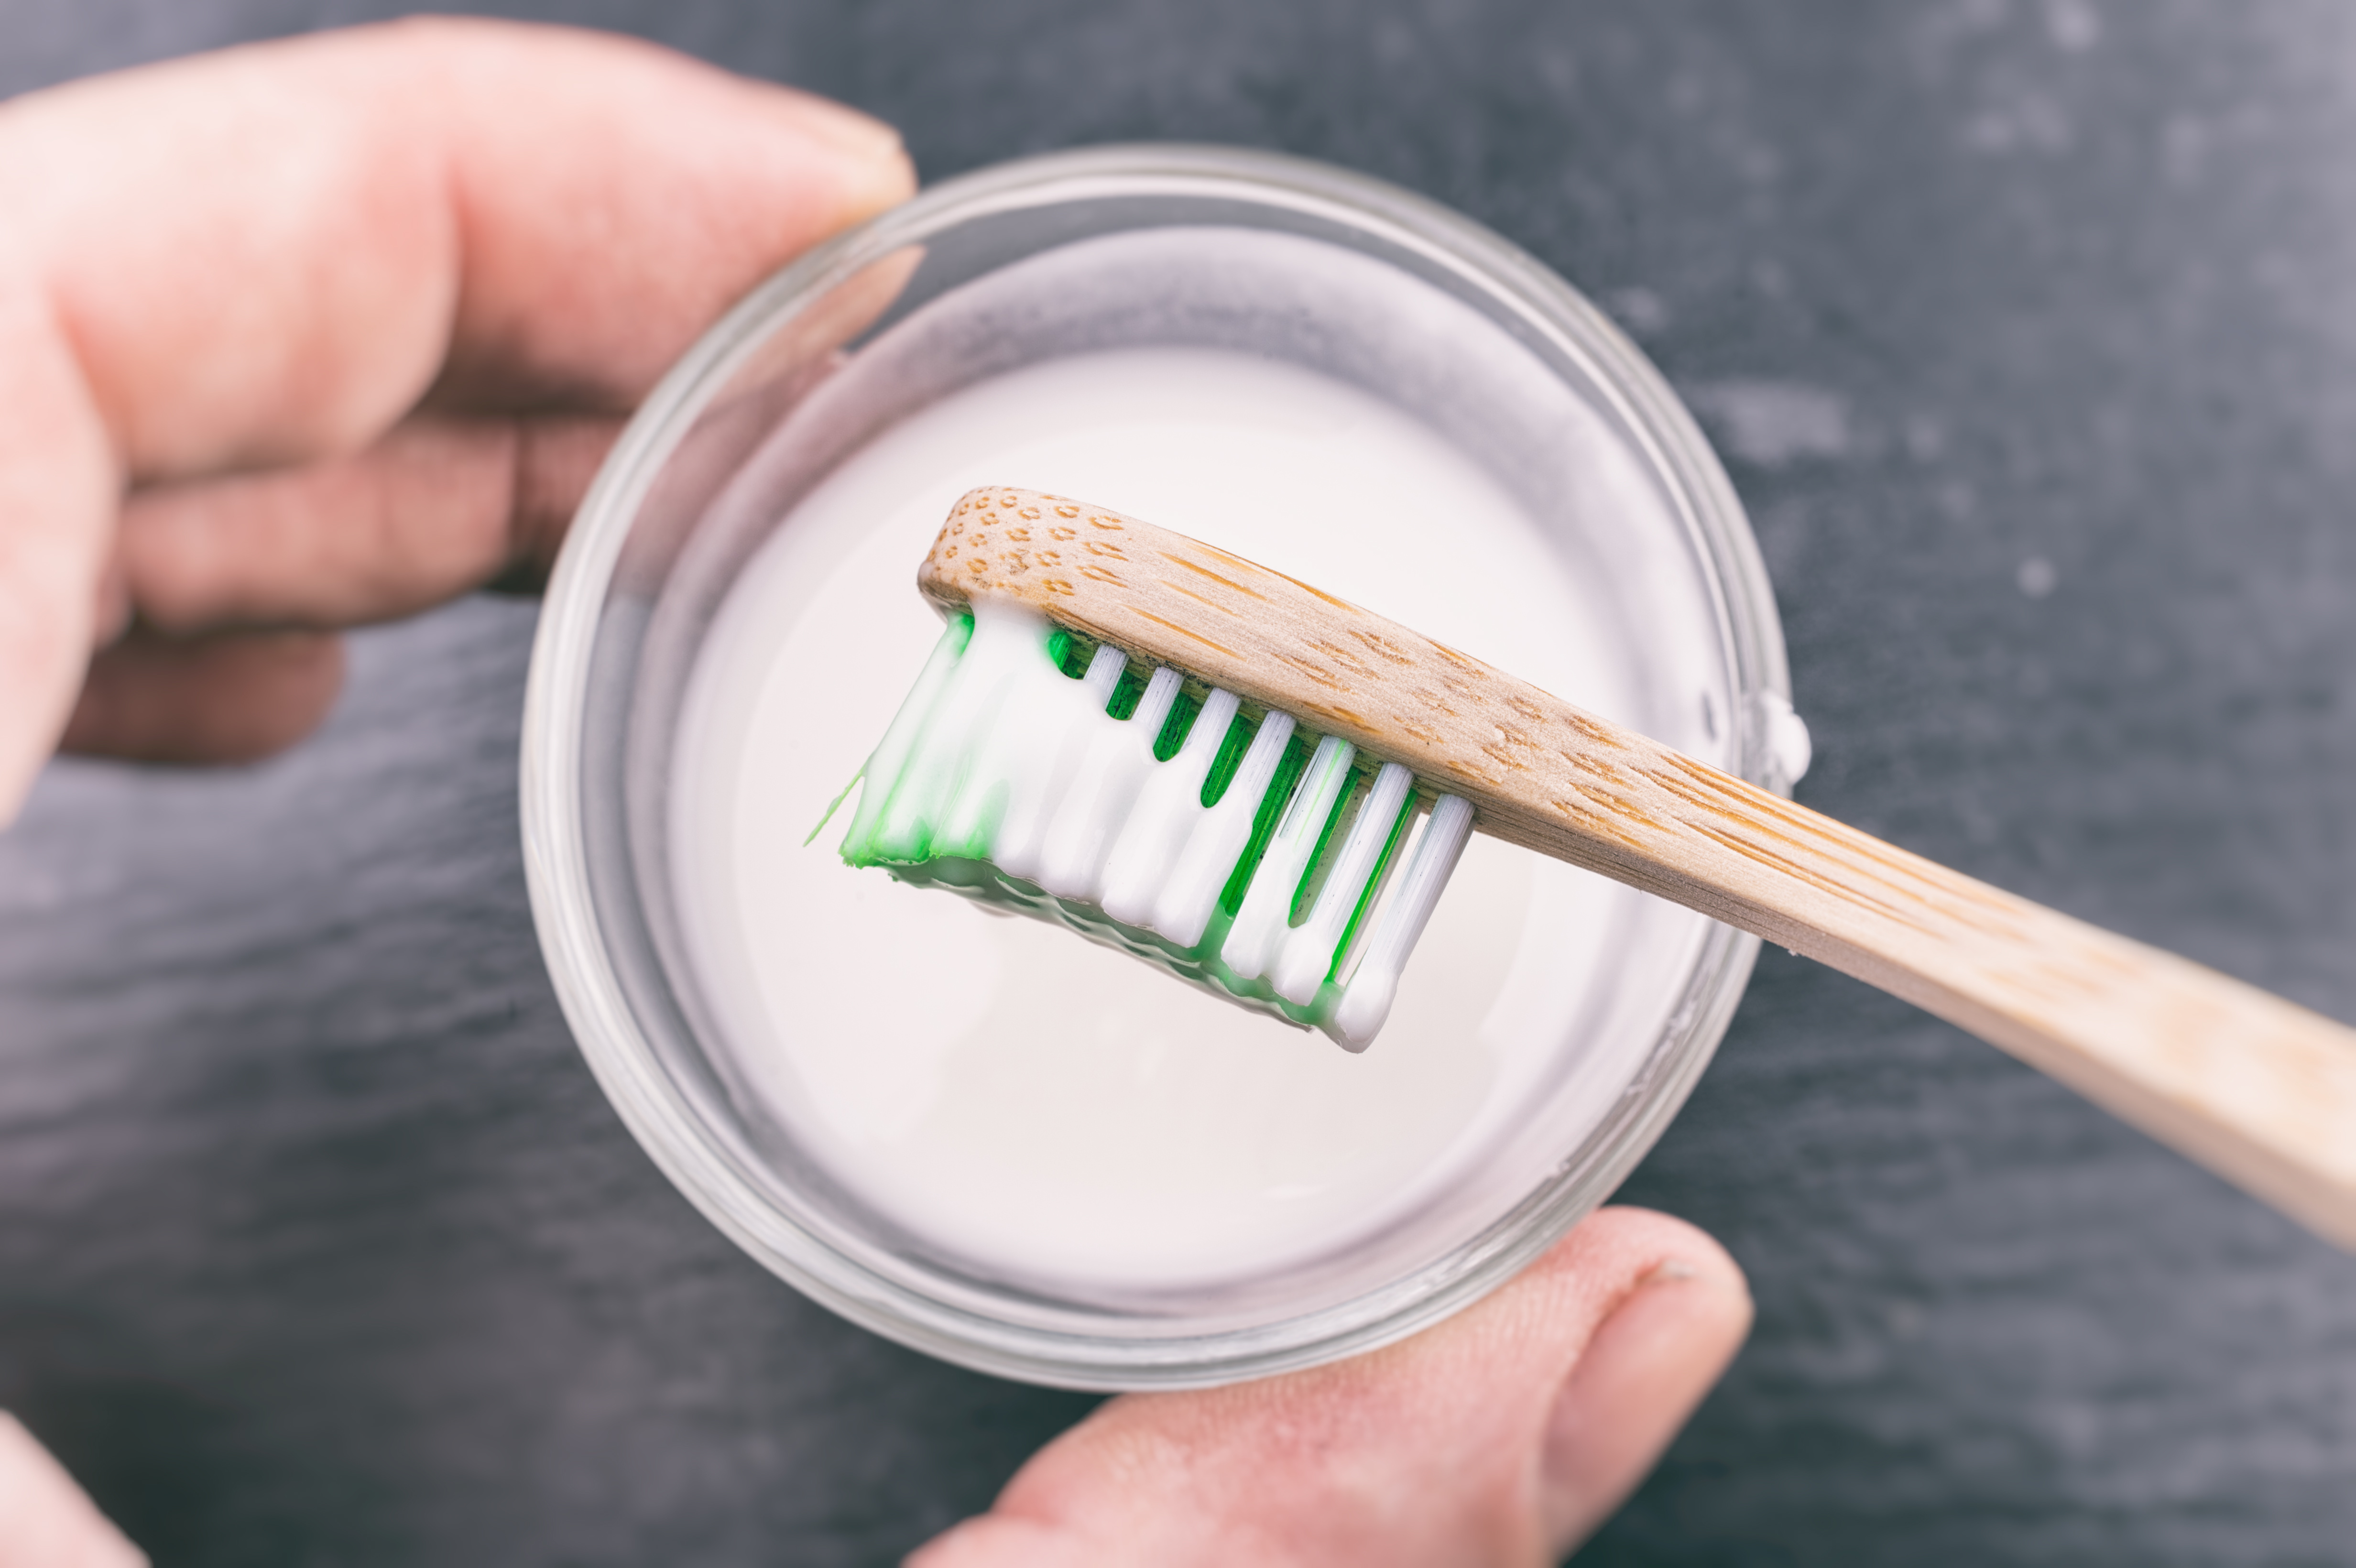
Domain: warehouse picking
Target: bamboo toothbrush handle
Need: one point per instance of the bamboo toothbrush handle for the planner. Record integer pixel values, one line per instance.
(2260, 1091)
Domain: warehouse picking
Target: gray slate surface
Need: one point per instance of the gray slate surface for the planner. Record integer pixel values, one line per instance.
(2029, 332)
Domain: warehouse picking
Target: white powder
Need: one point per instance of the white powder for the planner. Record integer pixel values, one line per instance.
(1050, 1111)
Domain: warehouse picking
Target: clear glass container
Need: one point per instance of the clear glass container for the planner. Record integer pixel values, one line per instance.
(1015, 266)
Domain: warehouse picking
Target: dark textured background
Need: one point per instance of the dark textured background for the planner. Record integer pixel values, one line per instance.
(2029, 333)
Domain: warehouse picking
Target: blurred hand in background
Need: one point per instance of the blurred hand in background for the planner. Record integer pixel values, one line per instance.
(310, 334)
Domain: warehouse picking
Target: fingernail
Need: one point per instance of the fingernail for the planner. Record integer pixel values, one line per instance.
(845, 129)
(875, 172)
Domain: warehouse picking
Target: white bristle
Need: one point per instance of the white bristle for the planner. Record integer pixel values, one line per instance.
(1033, 740)
(1166, 809)
(1382, 896)
(1307, 956)
(1183, 909)
(1266, 916)
(881, 777)
(962, 718)
(983, 799)
(1104, 673)
(1090, 815)
(1367, 1000)
(1153, 706)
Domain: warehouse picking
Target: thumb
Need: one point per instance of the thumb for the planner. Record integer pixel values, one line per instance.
(1501, 1436)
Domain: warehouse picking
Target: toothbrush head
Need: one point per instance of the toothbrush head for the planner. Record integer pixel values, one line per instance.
(1154, 805)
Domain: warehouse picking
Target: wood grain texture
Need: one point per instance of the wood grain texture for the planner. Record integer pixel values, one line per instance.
(2262, 1091)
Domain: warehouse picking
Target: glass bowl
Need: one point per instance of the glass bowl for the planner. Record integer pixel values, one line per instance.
(1030, 264)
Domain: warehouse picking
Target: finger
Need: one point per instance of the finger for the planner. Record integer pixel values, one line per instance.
(439, 507)
(269, 254)
(46, 1521)
(233, 697)
(1648, 1367)
(57, 486)
(266, 256)
(1433, 1450)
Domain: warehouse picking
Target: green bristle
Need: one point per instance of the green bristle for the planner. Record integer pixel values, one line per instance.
(1067, 653)
(1128, 690)
(1374, 884)
(1230, 758)
(1297, 753)
(1175, 727)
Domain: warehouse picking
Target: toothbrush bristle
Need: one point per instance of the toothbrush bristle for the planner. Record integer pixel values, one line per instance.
(1288, 875)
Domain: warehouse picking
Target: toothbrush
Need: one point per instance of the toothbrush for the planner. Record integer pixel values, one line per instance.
(1196, 824)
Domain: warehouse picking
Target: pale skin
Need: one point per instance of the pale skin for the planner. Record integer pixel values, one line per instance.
(318, 334)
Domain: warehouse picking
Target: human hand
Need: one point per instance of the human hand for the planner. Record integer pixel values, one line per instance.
(1503, 1437)
(307, 334)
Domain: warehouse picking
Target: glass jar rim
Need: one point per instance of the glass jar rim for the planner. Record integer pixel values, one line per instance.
(665, 1120)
